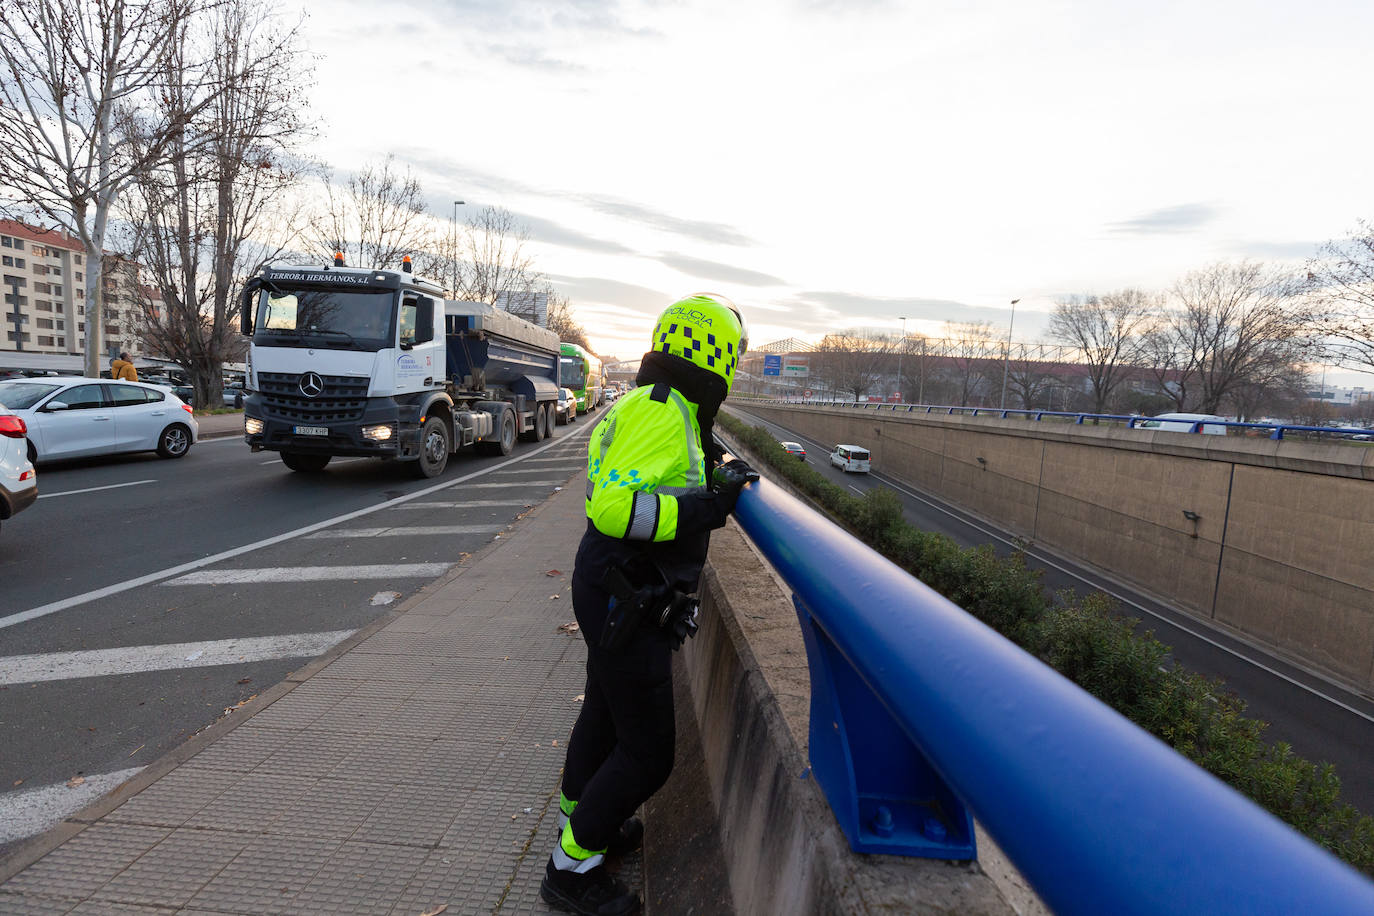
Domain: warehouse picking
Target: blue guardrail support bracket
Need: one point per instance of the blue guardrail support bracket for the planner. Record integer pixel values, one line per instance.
(885, 794)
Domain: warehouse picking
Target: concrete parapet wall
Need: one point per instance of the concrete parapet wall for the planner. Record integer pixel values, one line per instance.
(1279, 552)
(750, 689)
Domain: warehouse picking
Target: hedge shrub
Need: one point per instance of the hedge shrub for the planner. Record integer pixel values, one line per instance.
(1085, 639)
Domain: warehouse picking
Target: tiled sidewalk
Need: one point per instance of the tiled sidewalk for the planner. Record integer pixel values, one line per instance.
(419, 769)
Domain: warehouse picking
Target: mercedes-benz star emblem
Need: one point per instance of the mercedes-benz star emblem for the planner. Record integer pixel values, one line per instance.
(312, 386)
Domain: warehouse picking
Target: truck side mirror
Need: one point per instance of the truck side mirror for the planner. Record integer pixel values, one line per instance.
(424, 320)
(246, 308)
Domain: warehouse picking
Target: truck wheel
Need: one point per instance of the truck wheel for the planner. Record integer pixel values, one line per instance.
(434, 448)
(545, 421)
(306, 464)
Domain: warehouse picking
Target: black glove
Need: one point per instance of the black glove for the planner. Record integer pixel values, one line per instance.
(729, 479)
(680, 620)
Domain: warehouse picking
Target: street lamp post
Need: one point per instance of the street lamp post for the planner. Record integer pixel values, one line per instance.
(900, 348)
(456, 205)
(1006, 357)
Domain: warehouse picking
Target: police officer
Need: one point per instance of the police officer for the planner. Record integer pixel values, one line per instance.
(654, 493)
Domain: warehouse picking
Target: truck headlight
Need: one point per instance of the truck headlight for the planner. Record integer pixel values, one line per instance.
(252, 425)
(379, 433)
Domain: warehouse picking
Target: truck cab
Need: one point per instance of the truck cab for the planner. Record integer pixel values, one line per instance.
(352, 362)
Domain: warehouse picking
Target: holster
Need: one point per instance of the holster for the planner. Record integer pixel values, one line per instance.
(631, 606)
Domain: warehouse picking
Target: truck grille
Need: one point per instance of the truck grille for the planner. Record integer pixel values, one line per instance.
(341, 401)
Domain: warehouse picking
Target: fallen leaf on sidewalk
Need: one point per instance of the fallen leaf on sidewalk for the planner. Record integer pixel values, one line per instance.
(245, 680)
(18, 782)
(569, 628)
(555, 743)
(579, 698)
(553, 572)
(75, 781)
(553, 597)
(436, 911)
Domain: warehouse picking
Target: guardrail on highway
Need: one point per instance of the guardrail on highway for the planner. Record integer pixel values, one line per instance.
(920, 714)
(1131, 421)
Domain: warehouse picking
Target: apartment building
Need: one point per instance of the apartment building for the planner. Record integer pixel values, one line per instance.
(42, 274)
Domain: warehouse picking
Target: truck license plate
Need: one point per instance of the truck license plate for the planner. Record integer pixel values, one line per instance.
(312, 430)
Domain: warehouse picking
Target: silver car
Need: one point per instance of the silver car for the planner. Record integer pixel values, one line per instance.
(79, 417)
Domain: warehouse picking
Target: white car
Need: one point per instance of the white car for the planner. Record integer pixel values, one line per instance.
(78, 417)
(850, 458)
(18, 480)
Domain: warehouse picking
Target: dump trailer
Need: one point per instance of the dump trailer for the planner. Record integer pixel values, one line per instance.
(376, 363)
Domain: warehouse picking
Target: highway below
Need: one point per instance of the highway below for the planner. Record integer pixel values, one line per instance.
(1321, 720)
(144, 599)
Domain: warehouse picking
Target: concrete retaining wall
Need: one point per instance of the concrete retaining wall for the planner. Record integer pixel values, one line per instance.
(1280, 551)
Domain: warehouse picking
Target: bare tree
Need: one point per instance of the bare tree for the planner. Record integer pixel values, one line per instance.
(1239, 324)
(970, 352)
(78, 76)
(212, 215)
(495, 262)
(376, 219)
(1107, 331)
(1341, 280)
(853, 361)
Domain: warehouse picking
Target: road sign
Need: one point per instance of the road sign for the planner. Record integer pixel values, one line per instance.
(772, 364)
(806, 393)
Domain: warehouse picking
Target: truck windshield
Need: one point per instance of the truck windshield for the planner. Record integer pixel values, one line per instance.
(327, 318)
(572, 372)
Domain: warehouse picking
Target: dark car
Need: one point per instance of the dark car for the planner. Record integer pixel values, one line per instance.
(794, 448)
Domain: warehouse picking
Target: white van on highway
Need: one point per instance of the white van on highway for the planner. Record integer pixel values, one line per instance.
(850, 458)
(1184, 423)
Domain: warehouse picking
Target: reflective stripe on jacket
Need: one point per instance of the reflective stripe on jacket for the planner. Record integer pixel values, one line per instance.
(644, 454)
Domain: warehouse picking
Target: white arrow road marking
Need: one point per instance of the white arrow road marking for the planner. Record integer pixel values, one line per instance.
(518, 483)
(31, 811)
(113, 486)
(311, 574)
(404, 531)
(60, 666)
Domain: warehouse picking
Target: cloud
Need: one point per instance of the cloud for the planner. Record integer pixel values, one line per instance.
(1168, 220)
(611, 292)
(545, 230)
(701, 230)
(713, 270)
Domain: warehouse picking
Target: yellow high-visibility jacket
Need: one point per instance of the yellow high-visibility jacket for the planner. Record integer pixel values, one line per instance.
(647, 493)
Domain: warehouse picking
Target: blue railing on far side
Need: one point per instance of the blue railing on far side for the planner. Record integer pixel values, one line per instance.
(918, 710)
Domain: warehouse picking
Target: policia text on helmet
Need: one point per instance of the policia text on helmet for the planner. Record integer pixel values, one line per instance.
(654, 494)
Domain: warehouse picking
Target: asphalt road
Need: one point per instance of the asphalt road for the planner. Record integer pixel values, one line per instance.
(1322, 720)
(143, 598)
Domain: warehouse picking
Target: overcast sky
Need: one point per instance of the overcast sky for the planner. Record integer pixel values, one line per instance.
(840, 163)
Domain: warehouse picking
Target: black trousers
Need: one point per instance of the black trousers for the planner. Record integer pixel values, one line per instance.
(621, 750)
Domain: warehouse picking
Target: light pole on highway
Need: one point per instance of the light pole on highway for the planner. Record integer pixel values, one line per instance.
(900, 348)
(1006, 358)
(456, 205)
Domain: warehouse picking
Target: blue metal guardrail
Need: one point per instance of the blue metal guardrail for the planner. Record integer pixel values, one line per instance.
(920, 714)
(1132, 421)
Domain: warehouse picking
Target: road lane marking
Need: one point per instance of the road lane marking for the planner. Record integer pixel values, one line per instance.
(61, 666)
(404, 531)
(469, 504)
(856, 489)
(96, 594)
(332, 461)
(519, 483)
(113, 486)
(31, 811)
(312, 574)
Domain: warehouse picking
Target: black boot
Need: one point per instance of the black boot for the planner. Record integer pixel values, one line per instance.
(595, 893)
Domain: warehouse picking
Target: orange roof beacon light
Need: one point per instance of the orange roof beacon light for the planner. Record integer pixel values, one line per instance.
(406, 265)
(338, 259)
